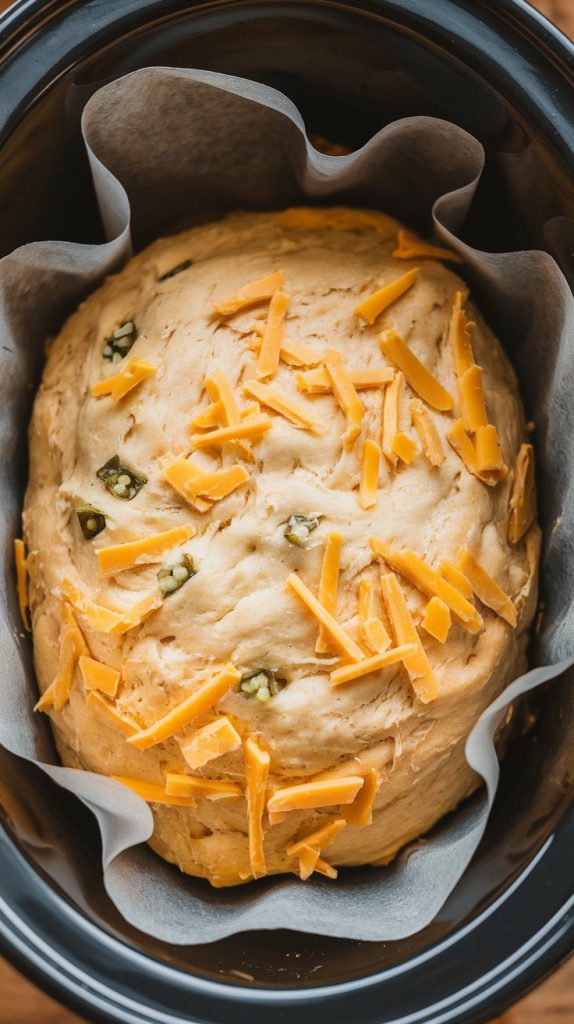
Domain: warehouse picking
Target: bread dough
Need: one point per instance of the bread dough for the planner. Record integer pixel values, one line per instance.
(237, 607)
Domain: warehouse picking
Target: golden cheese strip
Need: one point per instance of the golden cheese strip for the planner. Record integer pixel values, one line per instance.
(360, 812)
(122, 383)
(150, 549)
(138, 613)
(373, 632)
(217, 485)
(428, 434)
(318, 382)
(392, 415)
(347, 673)
(471, 397)
(421, 575)
(115, 719)
(420, 379)
(97, 676)
(257, 763)
(219, 390)
(463, 445)
(177, 784)
(251, 428)
(489, 455)
(103, 620)
(106, 620)
(203, 698)
(306, 796)
(212, 416)
(340, 638)
(370, 467)
(456, 578)
(328, 585)
(345, 395)
(404, 447)
(320, 839)
(256, 291)
(294, 411)
(409, 247)
(522, 506)
(181, 473)
(72, 645)
(323, 868)
(22, 582)
(371, 307)
(417, 665)
(486, 589)
(152, 793)
(459, 336)
(294, 353)
(339, 218)
(210, 742)
(436, 619)
(268, 360)
(308, 858)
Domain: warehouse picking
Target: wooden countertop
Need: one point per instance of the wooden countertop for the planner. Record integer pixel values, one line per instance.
(551, 1003)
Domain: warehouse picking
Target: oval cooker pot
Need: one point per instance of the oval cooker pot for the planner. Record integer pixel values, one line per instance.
(505, 74)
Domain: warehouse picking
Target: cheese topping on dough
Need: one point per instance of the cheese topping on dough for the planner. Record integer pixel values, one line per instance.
(308, 795)
(97, 676)
(328, 585)
(250, 294)
(420, 379)
(294, 411)
(487, 589)
(409, 247)
(428, 434)
(370, 466)
(210, 742)
(22, 582)
(405, 633)
(522, 500)
(318, 382)
(341, 640)
(269, 352)
(372, 307)
(257, 762)
(122, 383)
(360, 812)
(347, 397)
(141, 552)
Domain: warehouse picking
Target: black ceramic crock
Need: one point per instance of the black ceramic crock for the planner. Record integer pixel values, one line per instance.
(504, 73)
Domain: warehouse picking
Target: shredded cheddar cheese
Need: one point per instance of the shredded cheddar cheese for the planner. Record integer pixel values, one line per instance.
(421, 575)
(392, 416)
(269, 352)
(372, 630)
(522, 507)
(318, 840)
(420, 379)
(252, 428)
(328, 585)
(459, 336)
(219, 390)
(211, 741)
(181, 473)
(151, 792)
(106, 620)
(212, 416)
(203, 698)
(372, 307)
(250, 294)
(489, 457)
(456, 578)
(293, 353)
(294, 411)
(404, 447)
(336, 633)
(257, 763)
(471, 395)
(72, 645)
(22, 582)
(428, 434)
(409, 247)
(370, 466)
(115, 719)
(436, 619)
(345, 395)
(347, 673)
(318, 382)
(487, 589)
(306, 796)
(360, 812)
(417, 664)
(150, 549)
(199, 788)
(464, 447)
(97, 676)
(122, 383)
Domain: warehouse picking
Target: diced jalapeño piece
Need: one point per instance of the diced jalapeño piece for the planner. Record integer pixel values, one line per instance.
(120, 480)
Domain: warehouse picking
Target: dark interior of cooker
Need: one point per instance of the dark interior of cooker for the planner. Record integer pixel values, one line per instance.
(349, 76)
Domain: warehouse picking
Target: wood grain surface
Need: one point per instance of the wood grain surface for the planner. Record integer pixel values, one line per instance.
(551, 1003)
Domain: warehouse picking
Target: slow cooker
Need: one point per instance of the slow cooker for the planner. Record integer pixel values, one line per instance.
(502, 72)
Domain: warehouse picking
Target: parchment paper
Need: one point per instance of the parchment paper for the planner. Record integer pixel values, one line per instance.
(164, 145)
